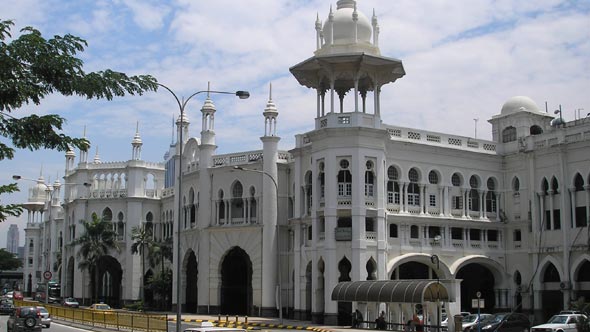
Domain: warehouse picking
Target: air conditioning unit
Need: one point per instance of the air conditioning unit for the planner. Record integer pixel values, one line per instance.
(564, 285)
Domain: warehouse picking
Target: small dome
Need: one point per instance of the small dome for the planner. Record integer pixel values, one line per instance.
(519, 104)
(344, 26)
(38, 193)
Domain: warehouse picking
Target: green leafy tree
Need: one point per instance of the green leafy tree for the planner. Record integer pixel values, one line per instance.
(32, 67)
(161, 285)
(159, 252)
(9, 261)
(97, 240)
(142, 239)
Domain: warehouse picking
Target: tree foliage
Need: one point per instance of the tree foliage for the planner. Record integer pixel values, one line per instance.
(142, 239)
(9, 261)
(32, 67)
(95, 242)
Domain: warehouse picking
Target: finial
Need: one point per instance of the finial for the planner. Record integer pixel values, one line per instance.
(208, 88)
(84, 134)
(137, 127)
(270, 92)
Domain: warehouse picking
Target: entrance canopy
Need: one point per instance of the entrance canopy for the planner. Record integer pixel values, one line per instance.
(397, 291)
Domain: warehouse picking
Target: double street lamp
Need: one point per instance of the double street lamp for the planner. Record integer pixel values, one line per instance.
(181, 106)
(280, 289)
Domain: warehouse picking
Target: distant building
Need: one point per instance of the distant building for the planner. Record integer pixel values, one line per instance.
(354, 200)
(12, 239)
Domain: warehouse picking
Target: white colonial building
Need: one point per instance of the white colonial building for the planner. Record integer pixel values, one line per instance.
(355, 200)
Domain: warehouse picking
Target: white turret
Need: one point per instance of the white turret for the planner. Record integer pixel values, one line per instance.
(70, 157)
(84, 154)
(270, 116)
(136, 144)
(96, 157)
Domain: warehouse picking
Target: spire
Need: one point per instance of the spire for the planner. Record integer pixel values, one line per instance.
(96, 157)
(318, 29)
(208, 111)
(375, 29)
(84, 154)
(270, 115)
(355, 19)
(136, 144)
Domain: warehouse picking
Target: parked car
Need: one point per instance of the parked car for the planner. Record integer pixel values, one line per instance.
(504, 322)
(24, 319)
(560, 323)
(17, 295)
(70, 302)
(471, 320)
(6, 307)
(45, 316)
(100, 307)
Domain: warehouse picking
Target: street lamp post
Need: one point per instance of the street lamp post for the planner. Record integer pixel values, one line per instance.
(181, 106)
(277, 234)
(435, 260)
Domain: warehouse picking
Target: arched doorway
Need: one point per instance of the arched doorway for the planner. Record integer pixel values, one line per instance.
(413, 270)
(109, 281)
(552, 297)
(148, 292)
(236, 283)
(476, 278)
(344, 308)
(582, 278)
(308, 287)
(69, 291)
(191, 293)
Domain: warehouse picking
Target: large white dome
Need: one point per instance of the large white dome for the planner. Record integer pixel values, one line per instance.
(519, 104)
(344, 26)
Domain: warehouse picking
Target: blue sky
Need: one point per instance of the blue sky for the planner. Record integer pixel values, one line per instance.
(463, 60)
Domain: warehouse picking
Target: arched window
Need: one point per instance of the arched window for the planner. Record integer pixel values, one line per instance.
(545, 186)
(433, 177)
(369, 180)
(149, 217)
(516, 186)
(456, 180)
(393, 192)
(413, 188)
(344, 180)
(474, 193)
(579, 182)
(393, 230)
(414, 232)
(491, 196)
(253, 206)
(322, 180)
(536, 130)
(192, 207)
(509, 134)
(554, 185)
(120, 226)
(308, 192)
(237, 202)
(221, 207)
(107, 214)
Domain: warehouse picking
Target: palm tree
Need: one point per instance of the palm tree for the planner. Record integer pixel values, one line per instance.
(142, 239)
(96, 242)
(159, 251)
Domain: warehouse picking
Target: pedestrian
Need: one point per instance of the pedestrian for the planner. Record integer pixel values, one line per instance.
(380, 321)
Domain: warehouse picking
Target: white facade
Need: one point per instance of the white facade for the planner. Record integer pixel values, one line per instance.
(355, 199)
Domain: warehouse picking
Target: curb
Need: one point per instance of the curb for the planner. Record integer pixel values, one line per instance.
(255, 326)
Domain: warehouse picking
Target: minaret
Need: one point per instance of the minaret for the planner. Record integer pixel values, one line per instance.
(270, 203)
(84, 154)
(136, 144)
(318, 29)
(207, 147)
(70, 157)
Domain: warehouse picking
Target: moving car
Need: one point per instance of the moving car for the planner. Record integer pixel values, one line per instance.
(70, 302)
(560, 323)
(209, 327)
(17, 295)
(100, 307)
(45, 316)
(504, 322)
(24, 319)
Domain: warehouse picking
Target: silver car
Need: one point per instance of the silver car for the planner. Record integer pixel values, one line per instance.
(45, 316)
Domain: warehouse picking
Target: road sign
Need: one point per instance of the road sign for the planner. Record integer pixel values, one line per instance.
(474, 303)
(47, 275)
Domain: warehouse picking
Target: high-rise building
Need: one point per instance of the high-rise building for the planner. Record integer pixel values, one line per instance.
(12, 239)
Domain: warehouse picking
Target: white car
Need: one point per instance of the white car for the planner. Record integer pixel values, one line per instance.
(471, 320)
(559, 323)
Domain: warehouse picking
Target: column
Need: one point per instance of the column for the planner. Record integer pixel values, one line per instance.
(441, 201)
(464, 196)
(485, 204)
(482, 201)
(551, 221)
(422, 199)
(405, 197)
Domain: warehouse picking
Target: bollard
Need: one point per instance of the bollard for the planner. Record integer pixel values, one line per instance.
(246, 319)
(226, 318)
(219, 318)
(237, 319)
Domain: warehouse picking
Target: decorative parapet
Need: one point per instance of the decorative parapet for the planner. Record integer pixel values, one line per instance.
(439, 139)
(246, 157)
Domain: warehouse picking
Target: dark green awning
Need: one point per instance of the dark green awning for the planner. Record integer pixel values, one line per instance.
(391, 291)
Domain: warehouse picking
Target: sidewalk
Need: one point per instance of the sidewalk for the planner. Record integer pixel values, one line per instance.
(255, 323)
